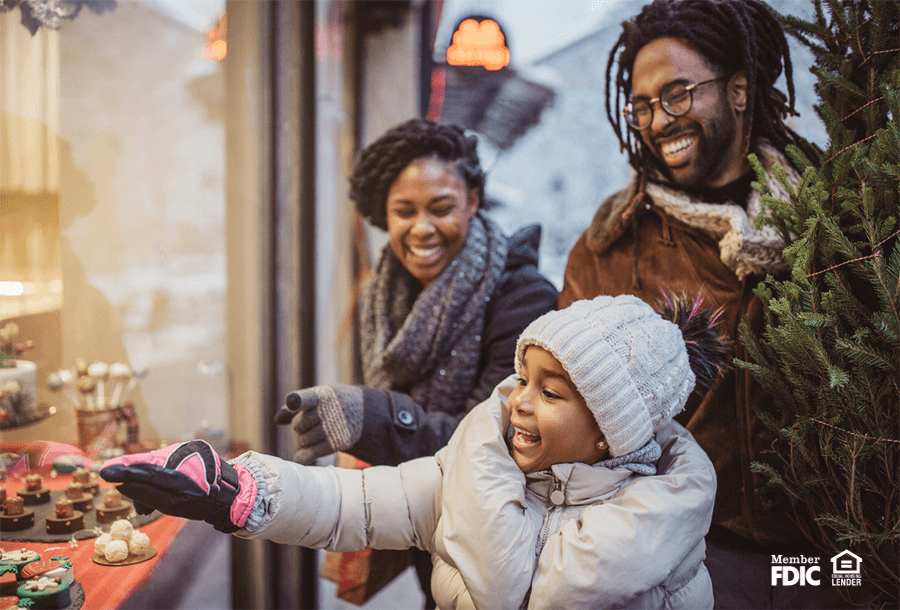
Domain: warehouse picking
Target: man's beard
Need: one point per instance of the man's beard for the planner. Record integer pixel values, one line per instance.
(714, 138)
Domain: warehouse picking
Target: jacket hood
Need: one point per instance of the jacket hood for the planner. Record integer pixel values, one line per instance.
(523, 247)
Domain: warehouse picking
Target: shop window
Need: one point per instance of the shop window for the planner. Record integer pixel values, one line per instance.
(112, 217)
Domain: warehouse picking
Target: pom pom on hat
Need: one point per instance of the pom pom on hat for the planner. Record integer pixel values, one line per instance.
(628, 363)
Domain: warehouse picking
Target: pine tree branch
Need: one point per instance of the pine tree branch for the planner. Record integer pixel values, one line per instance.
(859, 42)
(838, 16)
(874, 53)
(864, 106)
(855, 260)
(829, 353)
(863, 436)
(849, 147)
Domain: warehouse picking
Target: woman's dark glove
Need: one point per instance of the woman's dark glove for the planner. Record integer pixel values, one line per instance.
(326, 418)
(186, 480)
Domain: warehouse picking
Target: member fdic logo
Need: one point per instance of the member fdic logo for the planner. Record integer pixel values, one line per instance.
(806, 570)
(802, 570)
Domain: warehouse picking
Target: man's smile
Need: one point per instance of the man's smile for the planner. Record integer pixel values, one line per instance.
(676, 149)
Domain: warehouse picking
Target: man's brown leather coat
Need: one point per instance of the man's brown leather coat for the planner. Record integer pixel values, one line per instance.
(679, 258)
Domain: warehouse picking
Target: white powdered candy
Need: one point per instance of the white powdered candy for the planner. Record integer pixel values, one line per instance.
(116, 550)
(121, 530)
(101, 542)
(138, 543)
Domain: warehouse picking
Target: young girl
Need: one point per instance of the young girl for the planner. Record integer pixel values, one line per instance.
(570, 486)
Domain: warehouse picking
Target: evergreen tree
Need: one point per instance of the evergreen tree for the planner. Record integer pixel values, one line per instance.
(829, 354)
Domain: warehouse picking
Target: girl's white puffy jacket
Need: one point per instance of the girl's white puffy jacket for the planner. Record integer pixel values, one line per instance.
(574, 536)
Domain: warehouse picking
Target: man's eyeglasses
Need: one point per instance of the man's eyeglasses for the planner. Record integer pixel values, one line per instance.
(675, 99)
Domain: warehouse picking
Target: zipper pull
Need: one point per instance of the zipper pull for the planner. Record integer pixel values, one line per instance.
(557, 496)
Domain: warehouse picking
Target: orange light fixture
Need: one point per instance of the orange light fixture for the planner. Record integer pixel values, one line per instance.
(478, 44)
(216, 46)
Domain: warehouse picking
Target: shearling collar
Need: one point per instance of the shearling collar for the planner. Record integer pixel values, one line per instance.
(742, 247)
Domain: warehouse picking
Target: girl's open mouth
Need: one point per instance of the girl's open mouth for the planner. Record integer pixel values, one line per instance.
(523, 438)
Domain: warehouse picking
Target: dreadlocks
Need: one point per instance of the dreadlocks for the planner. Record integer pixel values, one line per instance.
(732, 36)
(379, 164)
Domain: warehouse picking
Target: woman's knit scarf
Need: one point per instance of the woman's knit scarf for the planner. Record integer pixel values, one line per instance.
(430, 348)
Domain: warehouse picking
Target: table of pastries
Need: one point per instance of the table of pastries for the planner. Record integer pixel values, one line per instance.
(49, 495)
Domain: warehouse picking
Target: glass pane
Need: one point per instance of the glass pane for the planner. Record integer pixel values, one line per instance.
(143, 208)
(112, 171)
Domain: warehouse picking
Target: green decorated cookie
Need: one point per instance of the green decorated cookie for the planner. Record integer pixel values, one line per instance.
(45, 592)
(18, 557)
(51, 568)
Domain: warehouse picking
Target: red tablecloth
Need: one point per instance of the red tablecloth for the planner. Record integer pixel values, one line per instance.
(105, 587)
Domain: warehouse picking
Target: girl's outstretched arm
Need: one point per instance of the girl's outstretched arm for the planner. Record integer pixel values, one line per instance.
(262, 496)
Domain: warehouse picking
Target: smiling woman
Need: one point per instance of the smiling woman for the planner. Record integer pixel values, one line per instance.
(440, 313)
(428, 214)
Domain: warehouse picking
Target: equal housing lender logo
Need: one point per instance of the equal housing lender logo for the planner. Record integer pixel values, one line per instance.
(806, 570)
(845, 569)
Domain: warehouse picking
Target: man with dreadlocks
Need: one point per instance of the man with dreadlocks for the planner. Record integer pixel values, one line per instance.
(690, 93)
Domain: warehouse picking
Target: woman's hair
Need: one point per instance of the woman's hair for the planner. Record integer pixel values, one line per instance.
(379, 164)
(731, 36)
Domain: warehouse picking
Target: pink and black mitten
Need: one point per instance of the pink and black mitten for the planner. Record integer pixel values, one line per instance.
(187, 480)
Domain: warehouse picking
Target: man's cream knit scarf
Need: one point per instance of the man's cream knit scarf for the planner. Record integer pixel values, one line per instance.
(743, 248)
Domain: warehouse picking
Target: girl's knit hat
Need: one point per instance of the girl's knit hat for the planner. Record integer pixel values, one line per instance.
(629, 364)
